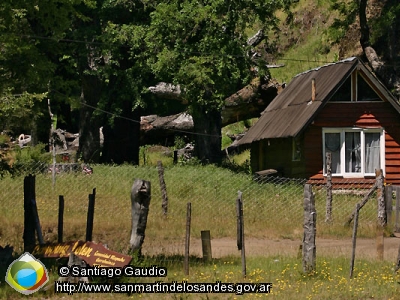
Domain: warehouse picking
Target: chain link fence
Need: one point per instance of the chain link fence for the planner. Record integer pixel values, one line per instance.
(273, 206)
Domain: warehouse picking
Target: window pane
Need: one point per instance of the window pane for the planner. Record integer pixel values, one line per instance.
(344, 92)
(332, 145)
(372, 152)
(364, 91)
(352, 152)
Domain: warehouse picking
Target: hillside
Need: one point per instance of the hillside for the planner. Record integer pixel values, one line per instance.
(306, 42)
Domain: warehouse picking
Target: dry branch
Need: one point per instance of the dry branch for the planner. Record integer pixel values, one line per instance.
(361, 204)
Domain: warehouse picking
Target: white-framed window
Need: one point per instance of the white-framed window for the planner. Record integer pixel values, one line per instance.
(355, 152)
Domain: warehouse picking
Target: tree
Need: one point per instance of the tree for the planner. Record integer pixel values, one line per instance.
(125, 75)
(384, 63)
(32, 46)
(100, 59)
(378, 34)
(202, 46)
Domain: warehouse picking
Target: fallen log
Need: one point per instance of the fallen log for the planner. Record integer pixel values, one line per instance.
(247, 103)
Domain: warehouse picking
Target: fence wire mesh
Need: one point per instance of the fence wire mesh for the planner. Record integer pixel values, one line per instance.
(273, 206)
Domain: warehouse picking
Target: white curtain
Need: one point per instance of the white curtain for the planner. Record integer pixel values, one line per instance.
(352, 152)
(372, 152)
(332, 145)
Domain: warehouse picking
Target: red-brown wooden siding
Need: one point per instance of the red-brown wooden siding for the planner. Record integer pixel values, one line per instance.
(361, 114)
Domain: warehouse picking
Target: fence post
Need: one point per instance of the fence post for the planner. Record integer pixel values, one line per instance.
(29, 219)
(37, 222)
(60, 218)
(140, 202)
(397, 226)
(328, 217)
(239, 223)
(354, 239)
(90, 216)
(389, 206)
(164, 204)
(309, 249)
(239, 211)
(206, 245)
(381, 214)
(187, 239)
(382, 221)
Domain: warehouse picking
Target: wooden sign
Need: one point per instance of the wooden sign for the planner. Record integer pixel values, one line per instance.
(93, 254)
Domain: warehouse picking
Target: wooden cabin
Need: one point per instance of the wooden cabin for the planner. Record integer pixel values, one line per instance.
(341, 108)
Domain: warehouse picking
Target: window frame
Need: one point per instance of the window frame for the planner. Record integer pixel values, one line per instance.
(363, 131)
(354, 88)
(296, 149)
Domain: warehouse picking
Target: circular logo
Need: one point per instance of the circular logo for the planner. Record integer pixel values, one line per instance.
(27, 274)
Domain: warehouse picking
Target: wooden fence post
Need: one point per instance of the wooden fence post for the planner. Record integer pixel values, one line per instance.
(187, 239)
(354, 239)
(206, 245)
(37, 222)
(382, 221)
(164, 204)
(328, 217)
(241, 243)
(309, 248)
(397, 212)
(90, 216)
(60, 218)
(29, 219)
(389, 206)
(239, 223)
(140, 202)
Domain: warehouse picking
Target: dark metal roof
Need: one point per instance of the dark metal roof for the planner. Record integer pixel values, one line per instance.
(293, 110)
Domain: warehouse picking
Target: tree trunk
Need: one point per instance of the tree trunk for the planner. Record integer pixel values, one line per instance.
(384, 70)
(207, 126)
(89, 135)
(121, 140)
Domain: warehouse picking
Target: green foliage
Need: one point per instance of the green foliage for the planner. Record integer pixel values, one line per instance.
(233, 129)
(239, 163)
(32, 159)
(383, 27)
(32, 154)
(348, 11)
(202, 46)
(179, 142)
(4, 140)
(18, 110)
(5, 168)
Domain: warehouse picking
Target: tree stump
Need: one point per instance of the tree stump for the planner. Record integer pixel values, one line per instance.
(140, 200)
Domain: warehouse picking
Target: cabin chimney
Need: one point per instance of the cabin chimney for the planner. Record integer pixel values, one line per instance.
(313, 89)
